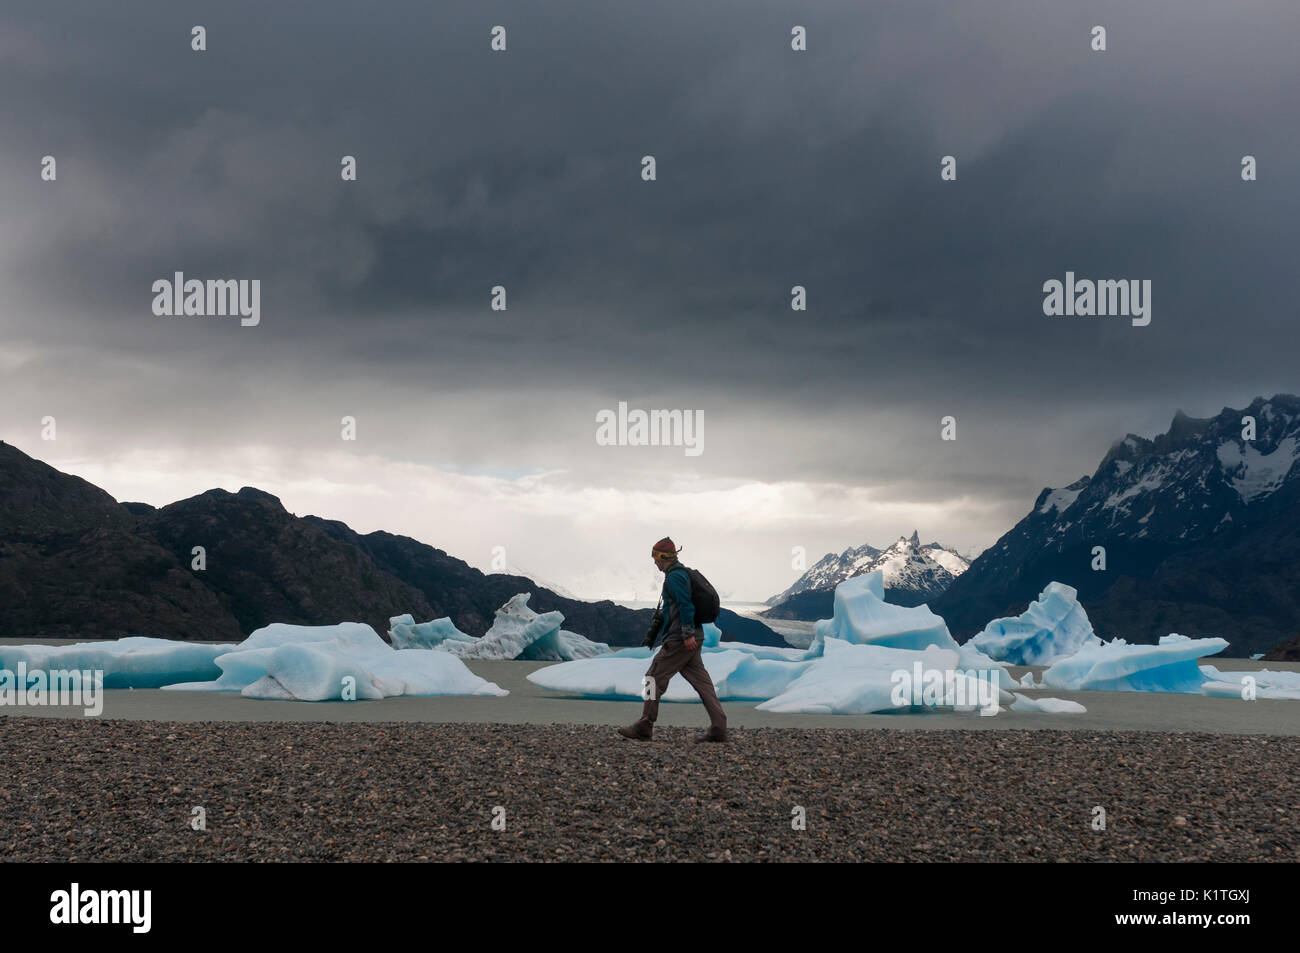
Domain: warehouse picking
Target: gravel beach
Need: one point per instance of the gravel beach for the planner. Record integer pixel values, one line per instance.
(104, 790)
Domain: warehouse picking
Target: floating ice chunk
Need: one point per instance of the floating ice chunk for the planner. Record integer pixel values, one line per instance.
(1027, 681)
(406, 633)
(1281, 686)
(845, 680)
(736, 674)
(268, 689)
(134, 662)
(1048, 706)
(1052, 628)
(970, 657)
(1119, 667)
(713, 643)
(857, 679)
(518, 633)
(320, 663)
(861, 615)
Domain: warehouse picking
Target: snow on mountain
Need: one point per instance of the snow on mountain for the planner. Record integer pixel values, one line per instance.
(906, 565)
(1255, 474)
(1199, 530)
(947, 558)
(1058, 501)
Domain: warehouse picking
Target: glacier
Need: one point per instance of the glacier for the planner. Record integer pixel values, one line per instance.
(311, 663)
(1052, 628)
(133, 662)
(1117, 666)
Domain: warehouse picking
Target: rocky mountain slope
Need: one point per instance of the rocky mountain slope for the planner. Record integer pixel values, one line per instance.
(1200, 529)
(1288, 651)
(75, 563)
(913, 574)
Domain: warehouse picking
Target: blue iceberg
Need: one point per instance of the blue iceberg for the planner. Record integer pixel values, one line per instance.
(405, 633)
(134, 662)
(738, 670)
(1117, 666)
(860, 679)
(336, 662)
(1266, 684)
(1052, 628)
(849, 667)
(861, 615)
(517, 633)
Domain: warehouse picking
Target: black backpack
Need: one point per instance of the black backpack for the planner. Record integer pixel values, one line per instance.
(703, 596)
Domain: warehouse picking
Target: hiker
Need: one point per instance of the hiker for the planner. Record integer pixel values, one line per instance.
(675, 620)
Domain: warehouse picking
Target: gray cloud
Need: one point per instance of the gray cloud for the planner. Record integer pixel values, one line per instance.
(775, 169)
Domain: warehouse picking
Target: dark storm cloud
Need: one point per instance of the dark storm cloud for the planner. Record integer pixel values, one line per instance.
(775, 169)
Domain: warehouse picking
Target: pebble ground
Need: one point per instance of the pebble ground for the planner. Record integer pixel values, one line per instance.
(102, 790)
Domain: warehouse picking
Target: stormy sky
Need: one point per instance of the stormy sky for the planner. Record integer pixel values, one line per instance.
(476, 428)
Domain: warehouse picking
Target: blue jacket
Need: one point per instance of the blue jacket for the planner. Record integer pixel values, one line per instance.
(679, 611)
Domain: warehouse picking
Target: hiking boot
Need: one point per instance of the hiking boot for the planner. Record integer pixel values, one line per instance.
(713, 734)
(638, 731)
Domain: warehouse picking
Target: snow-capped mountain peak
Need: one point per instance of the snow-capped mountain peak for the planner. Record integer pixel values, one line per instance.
(905, 565)
(1182, 484)
(1189, 522)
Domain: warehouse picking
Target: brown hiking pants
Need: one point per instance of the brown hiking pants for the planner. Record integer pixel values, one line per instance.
(673, 659)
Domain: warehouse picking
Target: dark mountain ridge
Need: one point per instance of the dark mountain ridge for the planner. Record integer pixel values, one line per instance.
(75, 563)
(1200, 528)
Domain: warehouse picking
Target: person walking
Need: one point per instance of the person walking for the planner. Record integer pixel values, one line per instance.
(680, 652)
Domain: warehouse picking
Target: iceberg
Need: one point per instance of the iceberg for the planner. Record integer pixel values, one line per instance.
(1047, 706)
(861, 615)
(736, 674)
(848, 668)
(862, 679)
(1267, 684)
(406, 633)
(1052, 628)
(134, 662)
(517, 633)
(712, 642)
(1116, 666)
(333, 662)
